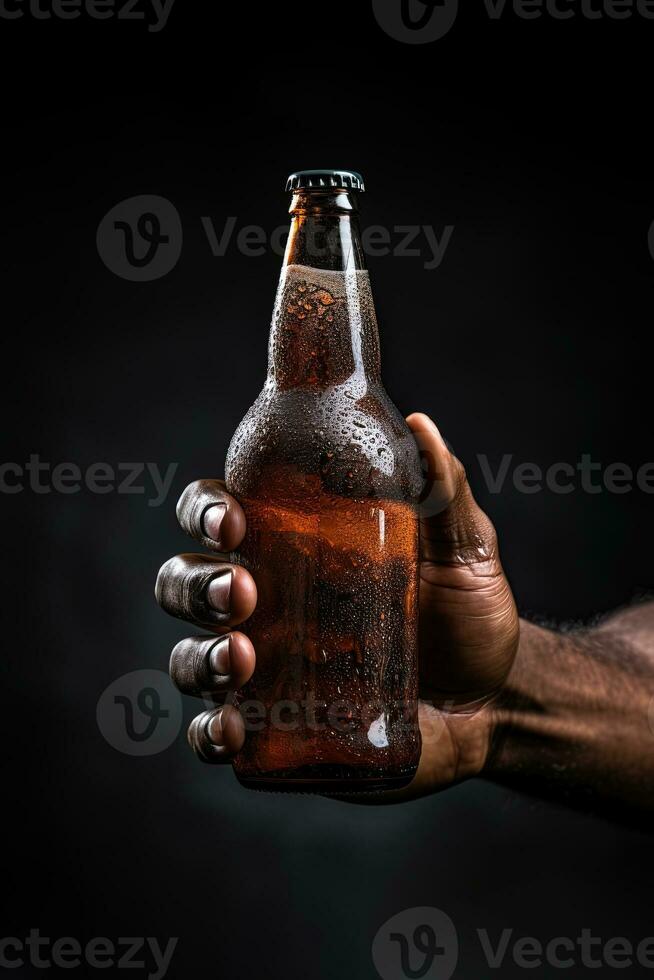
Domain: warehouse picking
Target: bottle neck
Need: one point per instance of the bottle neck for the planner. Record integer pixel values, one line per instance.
(324, 327)
(324, 231)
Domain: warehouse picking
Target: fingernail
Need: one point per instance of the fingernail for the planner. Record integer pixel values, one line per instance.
(219, 658)
(215, 729)
(218, 591)
(212, 520)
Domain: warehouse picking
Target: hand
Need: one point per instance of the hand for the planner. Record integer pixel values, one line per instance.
(469, 625)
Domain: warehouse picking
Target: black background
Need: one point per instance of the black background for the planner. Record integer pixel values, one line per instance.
(533, 139)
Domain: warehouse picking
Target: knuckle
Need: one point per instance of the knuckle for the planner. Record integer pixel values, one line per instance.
(182, 504)
(198, 737)
(194, 502)
(168, 571)
(189, 666)
(197, 734)
(181, 589)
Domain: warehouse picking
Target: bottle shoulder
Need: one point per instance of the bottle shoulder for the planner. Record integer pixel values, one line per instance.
(349, 436)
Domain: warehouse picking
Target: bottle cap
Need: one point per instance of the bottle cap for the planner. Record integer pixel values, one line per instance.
(317, 179)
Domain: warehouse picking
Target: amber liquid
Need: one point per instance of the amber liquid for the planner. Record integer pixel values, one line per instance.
(328, 475)
(333, 699)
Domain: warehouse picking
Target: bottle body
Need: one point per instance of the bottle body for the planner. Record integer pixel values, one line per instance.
(329, 476)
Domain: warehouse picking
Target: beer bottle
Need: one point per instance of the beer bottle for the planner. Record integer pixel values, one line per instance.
(329, 476)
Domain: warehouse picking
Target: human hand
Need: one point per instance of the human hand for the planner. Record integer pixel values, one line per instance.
(469, 625)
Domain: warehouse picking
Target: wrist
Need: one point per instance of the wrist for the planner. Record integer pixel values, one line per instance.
(472, 735)
(510, 705)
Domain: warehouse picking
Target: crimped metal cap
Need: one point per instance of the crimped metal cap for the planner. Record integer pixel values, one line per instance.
(347, 179)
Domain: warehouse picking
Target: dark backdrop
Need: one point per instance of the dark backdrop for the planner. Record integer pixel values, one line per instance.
(531, 138)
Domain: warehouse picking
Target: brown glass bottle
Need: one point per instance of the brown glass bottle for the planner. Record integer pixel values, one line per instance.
(329, 477)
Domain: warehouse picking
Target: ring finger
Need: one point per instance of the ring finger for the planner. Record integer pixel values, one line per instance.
(210, 667)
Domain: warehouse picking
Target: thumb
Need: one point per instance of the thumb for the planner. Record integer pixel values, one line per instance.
(454, 529)
(468, 618)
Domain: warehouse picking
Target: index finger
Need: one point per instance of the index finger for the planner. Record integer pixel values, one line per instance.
(211, 515)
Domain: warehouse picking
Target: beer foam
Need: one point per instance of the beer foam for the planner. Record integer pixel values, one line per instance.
(351, 286)
(332, 281)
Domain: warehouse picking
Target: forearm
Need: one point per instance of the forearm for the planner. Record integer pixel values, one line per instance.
(576, 721)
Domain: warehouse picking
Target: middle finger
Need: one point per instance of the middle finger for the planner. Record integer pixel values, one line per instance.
(206, 591)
